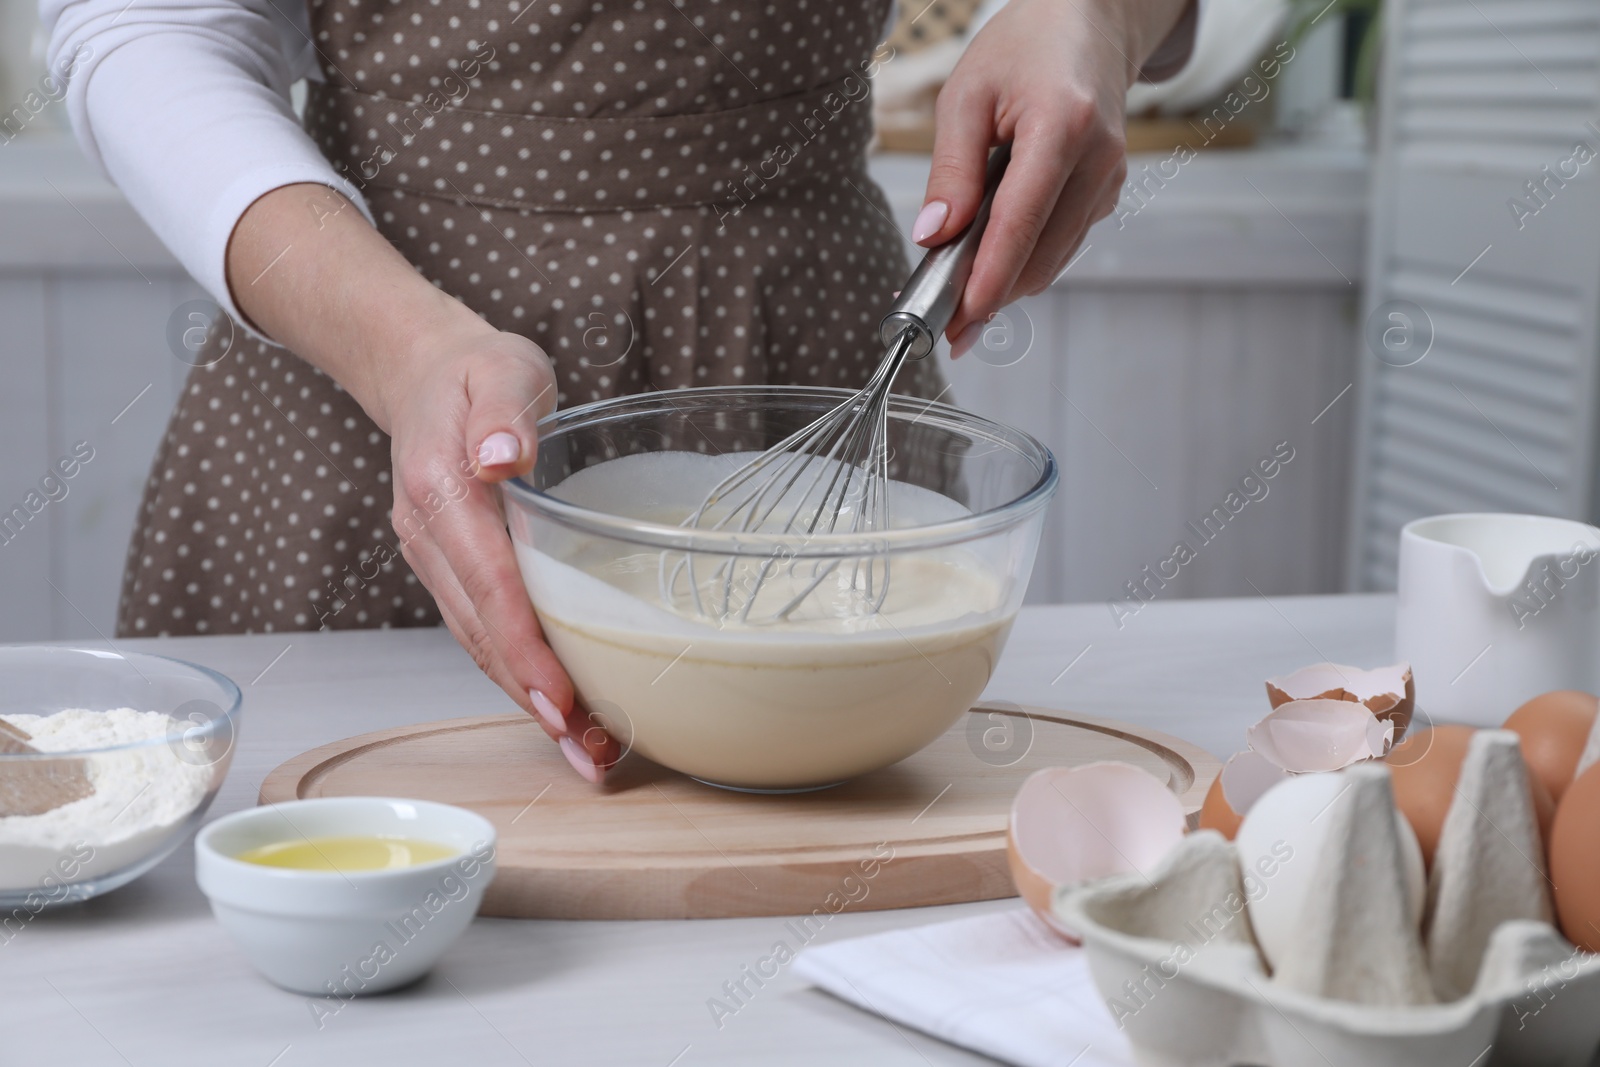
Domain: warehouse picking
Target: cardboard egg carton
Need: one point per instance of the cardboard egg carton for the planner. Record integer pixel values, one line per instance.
(1486, 981)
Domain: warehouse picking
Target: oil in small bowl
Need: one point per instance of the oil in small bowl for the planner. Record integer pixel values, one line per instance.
(347, 855)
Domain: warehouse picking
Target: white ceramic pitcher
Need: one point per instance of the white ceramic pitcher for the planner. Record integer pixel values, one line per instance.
(1495, 609)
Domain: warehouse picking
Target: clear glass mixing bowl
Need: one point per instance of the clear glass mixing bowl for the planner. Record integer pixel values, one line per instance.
(811, 699)
(127, 804)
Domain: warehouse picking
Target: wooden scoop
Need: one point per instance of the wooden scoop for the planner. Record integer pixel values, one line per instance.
(33, 787)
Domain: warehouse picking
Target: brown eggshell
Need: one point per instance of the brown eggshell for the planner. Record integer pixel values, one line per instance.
(1574, 852)
(1390, 693)
(1034, 888)
(1424, 769)
(1396, 708)
(1072, 825)
(1554, 727)
(1303, 736)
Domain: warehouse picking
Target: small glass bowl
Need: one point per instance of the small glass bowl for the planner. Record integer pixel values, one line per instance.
(789, 704)
(145, 796)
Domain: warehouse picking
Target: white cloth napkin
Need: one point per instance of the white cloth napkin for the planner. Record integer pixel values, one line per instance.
(1001, 984)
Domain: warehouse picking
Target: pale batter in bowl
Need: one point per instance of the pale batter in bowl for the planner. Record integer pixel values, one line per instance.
(822, 695)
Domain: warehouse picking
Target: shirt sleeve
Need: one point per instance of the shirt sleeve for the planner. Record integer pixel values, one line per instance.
(184, 104)
(1173, 53)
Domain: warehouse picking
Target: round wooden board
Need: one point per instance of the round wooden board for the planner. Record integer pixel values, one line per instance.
(653, 844)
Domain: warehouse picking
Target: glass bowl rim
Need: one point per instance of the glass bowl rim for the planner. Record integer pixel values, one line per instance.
(734, 543)
(232, 694)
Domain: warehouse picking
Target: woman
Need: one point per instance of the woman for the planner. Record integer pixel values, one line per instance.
(502, 205)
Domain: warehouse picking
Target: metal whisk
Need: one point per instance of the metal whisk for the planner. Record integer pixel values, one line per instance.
(831, 476)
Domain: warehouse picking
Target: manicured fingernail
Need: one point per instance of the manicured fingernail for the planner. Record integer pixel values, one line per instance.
(547, 710)
(929, 220)
(498, 448)
(965, 340)
(580, 760)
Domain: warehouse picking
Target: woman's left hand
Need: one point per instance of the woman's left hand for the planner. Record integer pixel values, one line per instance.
(1051, 77)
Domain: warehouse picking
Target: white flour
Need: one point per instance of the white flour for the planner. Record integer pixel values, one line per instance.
(139, 793)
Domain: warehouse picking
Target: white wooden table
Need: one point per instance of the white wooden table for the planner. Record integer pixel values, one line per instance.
(144, 976)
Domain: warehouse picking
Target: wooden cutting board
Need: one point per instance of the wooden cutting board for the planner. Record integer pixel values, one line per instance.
(654, 844)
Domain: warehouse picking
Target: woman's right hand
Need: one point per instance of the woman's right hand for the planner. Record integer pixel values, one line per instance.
(459, 401)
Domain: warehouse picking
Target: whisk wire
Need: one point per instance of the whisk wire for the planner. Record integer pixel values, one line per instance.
(827, 477)
(846, 451)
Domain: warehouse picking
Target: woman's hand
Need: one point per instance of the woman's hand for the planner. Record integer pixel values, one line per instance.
(1051, 77)
(462, 410)
(459, 400)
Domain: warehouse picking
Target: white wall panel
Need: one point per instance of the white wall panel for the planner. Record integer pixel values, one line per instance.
(1486, 104)
(25, 596)
(1175, 393)
(114, 390)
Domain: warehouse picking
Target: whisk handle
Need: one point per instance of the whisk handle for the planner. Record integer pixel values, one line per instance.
(929, 299)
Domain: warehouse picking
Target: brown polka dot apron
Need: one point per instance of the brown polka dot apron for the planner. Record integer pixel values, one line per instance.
(660, 194)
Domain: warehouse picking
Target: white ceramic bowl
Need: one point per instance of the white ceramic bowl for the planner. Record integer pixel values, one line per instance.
(326, 933)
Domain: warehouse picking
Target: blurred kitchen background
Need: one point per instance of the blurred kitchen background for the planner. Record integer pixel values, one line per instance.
(1359, 233)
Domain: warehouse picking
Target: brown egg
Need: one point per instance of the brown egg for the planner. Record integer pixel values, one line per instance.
(1554, 728)
(1544, 807)
(1238, 786)
(1216, 814)
(1424, 768)
(1575, 861)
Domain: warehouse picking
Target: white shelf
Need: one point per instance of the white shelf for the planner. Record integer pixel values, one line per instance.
(1290, 215)
(1206, 225)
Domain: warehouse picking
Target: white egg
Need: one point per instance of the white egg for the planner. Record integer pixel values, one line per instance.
(1281, 844)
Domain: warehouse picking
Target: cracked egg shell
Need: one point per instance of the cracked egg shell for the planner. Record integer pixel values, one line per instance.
(1555, 728)
(1388, 692)
(1073, 825)
(1303, 736)
(1243, 779)
(1424, 769)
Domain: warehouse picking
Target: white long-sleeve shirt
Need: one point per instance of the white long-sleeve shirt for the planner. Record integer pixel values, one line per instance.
(184, 104)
